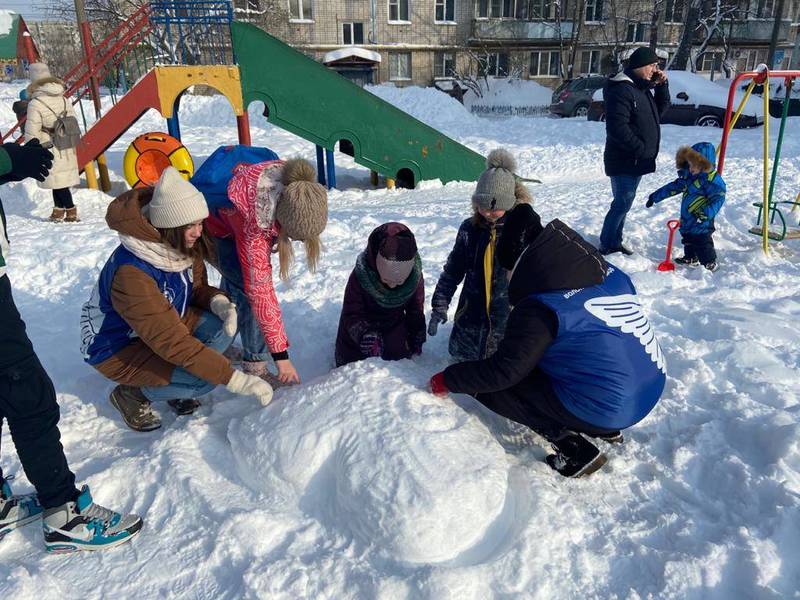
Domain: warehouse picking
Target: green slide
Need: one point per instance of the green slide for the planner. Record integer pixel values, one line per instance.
(315, 103)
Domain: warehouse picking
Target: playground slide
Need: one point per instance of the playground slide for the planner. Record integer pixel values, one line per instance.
(108, 129)
(315, 103)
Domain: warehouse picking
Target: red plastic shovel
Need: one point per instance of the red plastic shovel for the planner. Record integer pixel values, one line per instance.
(667, 264)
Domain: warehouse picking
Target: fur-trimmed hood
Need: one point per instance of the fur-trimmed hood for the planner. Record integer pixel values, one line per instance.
(50, 86)
(702, 155)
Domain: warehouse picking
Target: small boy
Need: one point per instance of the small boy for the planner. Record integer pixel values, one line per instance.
(703, 192)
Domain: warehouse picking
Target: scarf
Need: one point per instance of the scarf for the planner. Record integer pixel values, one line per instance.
(386, 297)
(157, 254)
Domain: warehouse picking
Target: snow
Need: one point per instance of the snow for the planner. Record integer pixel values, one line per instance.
(360, 484)
(351, 51)
(504, 91)
(6, 21)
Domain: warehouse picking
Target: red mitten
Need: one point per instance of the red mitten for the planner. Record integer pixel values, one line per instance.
(438, 386)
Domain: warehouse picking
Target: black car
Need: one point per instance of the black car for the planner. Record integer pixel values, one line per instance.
(695, 101)
(573, 97)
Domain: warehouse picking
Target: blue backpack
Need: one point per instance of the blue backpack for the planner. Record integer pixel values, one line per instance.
(214, 174)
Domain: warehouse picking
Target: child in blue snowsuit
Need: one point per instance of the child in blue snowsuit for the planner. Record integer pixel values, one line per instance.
(703, 192)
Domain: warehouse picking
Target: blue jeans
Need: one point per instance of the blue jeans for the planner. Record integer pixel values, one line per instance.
(253, 345)
(623, 187)
(183, 384)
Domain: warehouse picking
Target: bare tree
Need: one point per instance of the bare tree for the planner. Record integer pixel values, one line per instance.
(655, 19)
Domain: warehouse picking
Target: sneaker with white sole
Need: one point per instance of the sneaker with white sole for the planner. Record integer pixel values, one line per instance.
(16, 511)
(84, 525)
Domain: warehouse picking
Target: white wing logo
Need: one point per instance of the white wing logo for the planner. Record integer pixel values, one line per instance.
(624, 312)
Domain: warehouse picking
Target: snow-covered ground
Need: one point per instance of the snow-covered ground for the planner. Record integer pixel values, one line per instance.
(360, 484)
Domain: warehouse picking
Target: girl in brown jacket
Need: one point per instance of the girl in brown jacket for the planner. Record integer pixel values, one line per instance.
(153, 324)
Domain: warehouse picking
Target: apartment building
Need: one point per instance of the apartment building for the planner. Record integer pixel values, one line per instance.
(420, 41)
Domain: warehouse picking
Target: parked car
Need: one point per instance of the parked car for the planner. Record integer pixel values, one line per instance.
(694, 101)
(573, 97)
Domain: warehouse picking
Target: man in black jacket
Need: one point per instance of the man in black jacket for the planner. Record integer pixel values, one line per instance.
(633, 135)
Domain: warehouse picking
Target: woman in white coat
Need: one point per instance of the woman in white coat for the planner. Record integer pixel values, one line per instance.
(47, 105)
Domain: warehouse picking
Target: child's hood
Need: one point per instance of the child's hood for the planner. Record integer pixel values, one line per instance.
(702, 154)
(254, 190)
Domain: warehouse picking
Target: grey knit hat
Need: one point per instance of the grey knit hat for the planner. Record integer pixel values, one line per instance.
(37, 71)
(303, 207)
(495, 189)
(176, 202)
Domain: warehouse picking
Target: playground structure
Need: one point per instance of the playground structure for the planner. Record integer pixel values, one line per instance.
(167, 47)
(768, 209)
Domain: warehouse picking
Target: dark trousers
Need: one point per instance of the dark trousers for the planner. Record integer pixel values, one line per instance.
(534, 403)
(62, 198)
(699, 246)
(623, 187)
(28, 404)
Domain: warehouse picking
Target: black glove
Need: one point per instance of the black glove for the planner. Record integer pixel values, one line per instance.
(30, 160)
(650, 201)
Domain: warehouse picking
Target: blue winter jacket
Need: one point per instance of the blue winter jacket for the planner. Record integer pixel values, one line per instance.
(703, 194)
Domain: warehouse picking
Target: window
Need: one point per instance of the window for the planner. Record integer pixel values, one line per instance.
(590, 62)
(398, 10)
(712, 61)
(445, 11)
(400, 66)
(594, 10)
(444, 66)
(636, 32)
(545, 64)
(300, 10)
(246, 5)
(495, 9)
(352, 33)
(766, 9)
(673, 11)
(533, 9)
(494, 64)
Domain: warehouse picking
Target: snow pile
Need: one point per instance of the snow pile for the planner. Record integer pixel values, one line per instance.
(509, 92)
(360, 484)
(424, 104)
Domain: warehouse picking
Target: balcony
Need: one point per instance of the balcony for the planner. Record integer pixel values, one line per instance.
(757, 30)
(516, 30)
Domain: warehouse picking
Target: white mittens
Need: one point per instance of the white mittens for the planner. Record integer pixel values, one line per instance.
(226, 311)
(250, 385)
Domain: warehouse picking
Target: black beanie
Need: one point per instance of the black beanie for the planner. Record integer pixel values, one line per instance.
(642, 57)
(521, 226)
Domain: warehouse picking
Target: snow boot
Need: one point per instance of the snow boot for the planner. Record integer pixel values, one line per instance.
(134, 408)
(259, 369)
(621, 249)
(184, 406)
(712, 266)
(575, 456)
(84, 525)
(57, 215)
(689, 262)
(16, 511)
(71, 215)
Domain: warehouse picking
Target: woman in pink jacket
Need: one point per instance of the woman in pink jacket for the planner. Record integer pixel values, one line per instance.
(274, 203)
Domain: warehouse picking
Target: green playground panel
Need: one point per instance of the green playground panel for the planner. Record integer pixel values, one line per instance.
(315, 103)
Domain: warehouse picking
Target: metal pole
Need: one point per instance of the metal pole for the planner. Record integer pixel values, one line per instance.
(320, 165)
(86, 40)
(330, 168)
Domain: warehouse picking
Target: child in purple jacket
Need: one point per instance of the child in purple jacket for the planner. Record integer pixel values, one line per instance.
(384, 301)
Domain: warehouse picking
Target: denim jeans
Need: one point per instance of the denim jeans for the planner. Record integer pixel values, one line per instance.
(183, 384)
(623, 187)
(253, 344)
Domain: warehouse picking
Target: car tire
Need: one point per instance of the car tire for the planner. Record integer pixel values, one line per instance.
(581, 110)
(709, 121)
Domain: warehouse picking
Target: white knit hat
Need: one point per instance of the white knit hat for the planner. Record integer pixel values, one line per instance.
(176, 202)
(37, 71)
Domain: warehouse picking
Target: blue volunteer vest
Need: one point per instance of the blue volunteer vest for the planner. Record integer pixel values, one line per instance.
(103, 331)
(605, 364)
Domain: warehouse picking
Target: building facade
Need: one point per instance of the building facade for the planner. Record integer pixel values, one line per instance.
(421, 41)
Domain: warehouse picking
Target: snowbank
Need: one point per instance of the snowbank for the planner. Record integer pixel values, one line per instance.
(424, 103)
(510, 92)
(6, 21)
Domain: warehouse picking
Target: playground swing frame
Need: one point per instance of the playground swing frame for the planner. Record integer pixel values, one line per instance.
(762, 76)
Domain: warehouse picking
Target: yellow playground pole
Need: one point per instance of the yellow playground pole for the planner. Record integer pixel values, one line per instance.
(739, 110)
(765, 207)
(91, 177)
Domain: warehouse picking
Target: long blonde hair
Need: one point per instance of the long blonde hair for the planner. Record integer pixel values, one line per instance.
(286, 254)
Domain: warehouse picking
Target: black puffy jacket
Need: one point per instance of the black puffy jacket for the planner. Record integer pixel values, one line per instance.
(633, 124)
